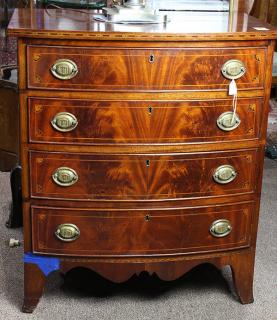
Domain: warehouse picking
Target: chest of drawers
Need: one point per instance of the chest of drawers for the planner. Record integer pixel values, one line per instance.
(133, 159)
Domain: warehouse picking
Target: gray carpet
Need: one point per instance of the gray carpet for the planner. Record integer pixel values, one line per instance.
(201, 294)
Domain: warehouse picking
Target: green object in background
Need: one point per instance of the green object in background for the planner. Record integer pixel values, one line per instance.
(80, 4)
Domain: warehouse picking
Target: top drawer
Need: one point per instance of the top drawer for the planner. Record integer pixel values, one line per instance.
(75, 68)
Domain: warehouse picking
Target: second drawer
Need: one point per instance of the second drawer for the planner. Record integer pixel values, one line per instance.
(145, 177)
(124, 122)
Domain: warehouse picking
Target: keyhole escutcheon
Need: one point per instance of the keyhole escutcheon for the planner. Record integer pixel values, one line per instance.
(147, 217)
(151, 58)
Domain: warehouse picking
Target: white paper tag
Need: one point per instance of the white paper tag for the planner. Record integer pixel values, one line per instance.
(233, 90)
(261, 28)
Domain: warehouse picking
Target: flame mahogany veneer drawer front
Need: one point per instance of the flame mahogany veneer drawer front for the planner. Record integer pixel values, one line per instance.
(129, 177)
(139, 232)
(104, 122)
(144, 69)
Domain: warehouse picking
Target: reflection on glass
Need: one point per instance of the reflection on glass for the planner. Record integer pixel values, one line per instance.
(238, 15)
(186, 17)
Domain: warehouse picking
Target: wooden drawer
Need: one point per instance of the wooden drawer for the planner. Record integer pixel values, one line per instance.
(105, 122)
(142, 69)
(139, 232)
(107, 177)
(145, 177)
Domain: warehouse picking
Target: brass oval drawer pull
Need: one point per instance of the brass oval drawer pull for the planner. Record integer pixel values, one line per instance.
(64, 69)
(220, 228)
(65, 177)
(64, 122)
(67, 232)
(233, 69)
(227, 122)
(224, 174)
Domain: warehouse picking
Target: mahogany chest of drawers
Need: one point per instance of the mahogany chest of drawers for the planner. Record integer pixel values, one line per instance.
(133, 156)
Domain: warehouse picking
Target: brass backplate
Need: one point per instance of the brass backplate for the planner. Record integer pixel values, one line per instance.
(67, 232)
(224, 174)
(64, 69)
(233, 69)
(220, 228)
(65, 176)
(64, 122)
(227, 121)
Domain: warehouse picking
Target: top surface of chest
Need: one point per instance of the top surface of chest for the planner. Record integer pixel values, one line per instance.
(186, 26)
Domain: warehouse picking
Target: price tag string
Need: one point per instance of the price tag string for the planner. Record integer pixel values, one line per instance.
(233, 91)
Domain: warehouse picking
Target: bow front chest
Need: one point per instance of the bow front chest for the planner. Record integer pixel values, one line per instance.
(135, 156)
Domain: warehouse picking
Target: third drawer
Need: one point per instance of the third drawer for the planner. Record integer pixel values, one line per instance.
(129, 177)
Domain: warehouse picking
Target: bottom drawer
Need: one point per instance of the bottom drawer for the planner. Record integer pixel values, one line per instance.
(88, 232)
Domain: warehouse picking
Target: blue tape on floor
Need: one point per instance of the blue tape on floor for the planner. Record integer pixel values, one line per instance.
(46, 264)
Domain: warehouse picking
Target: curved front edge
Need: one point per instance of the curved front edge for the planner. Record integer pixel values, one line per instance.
(171, 268)
(121, 270)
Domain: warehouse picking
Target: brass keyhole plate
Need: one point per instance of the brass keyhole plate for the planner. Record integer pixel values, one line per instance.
(147, 217)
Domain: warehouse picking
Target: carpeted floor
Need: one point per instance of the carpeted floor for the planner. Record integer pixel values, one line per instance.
(203, 294)
(8, 49)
